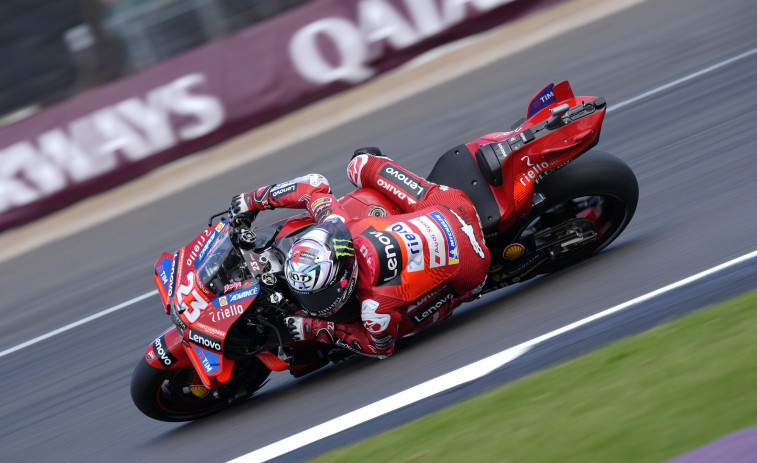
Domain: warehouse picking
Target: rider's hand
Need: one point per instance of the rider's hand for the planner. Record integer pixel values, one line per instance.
(241, 203)
(298, 328)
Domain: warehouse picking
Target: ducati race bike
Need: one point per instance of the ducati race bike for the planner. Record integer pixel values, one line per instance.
(545, 199)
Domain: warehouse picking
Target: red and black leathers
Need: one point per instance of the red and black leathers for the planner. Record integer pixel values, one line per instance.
(414, 268)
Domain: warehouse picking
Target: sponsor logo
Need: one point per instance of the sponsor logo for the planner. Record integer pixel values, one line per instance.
(391, 188)
(236, 296)
(194, 250)
(160, 349)
(374, 322)
(204, 340)
(172, 277)
(403, 179)
(356, 168)
(435, 239)
(537, 171)
(321, 208)
(339, 48)
(432, 308)
(280, 191)
(541, 100)
(513, 251)
(163, 277)
(207, 247)
(343, 248)
(208, 360)
(389, 254)
(163, 269)
(232, 286)
(533, 172)
(260, 196)
(227, 312)
(210, 329)
(106, 139)
(354, 347)
(468, 230)
(453, 253)
(425, 298)
(413, 246)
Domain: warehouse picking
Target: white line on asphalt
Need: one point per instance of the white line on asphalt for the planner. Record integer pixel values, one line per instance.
(451, 380)
(694, 75)
(146, 295)
(73, 325)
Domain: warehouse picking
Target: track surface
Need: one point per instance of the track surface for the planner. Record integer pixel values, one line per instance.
(692, 147)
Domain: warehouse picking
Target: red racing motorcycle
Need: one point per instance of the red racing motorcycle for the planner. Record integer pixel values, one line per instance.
(545, 200)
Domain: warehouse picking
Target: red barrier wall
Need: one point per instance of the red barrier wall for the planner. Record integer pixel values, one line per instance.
(119, 131)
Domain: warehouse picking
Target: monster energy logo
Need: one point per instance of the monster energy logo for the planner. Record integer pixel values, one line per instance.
(343, 248)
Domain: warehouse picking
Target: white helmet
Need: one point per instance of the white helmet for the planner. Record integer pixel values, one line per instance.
(321, 269)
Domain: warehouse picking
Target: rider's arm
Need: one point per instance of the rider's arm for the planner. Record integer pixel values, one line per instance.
(311, 192)
(400, 185)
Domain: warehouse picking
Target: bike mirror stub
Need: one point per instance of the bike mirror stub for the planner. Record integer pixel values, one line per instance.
(555, 120)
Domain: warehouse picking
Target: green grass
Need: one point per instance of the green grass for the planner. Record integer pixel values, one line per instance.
(647, 398)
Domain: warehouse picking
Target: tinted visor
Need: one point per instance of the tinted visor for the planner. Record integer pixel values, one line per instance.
(326, 301)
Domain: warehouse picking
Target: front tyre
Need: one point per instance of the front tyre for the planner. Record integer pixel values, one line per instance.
(177, 395)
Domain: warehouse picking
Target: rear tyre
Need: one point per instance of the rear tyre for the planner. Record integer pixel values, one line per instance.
(167, 395)
(597, 193)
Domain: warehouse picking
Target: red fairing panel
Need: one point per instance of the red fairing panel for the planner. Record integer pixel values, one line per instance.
(167, 351)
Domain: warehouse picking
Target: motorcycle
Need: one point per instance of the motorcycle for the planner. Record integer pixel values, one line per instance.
(545, 201)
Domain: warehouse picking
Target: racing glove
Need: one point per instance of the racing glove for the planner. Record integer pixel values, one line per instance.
(293, 194)
(307, 329)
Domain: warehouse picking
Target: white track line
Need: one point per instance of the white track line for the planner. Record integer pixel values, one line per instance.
(451, 380)
(73, 325)
(694, 75)
(151, 293)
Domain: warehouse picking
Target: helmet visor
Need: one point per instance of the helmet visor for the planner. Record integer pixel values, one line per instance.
(329, 300)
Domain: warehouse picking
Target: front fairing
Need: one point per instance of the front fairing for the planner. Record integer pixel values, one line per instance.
(207, 288)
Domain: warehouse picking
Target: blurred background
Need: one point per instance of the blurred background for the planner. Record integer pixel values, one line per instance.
(54, 50)
(691, 146)
(94, 93)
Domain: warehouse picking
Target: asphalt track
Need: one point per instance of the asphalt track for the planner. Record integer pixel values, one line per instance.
(692, 146)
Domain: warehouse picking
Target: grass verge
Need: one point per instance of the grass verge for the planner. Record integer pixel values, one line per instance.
(647, 398)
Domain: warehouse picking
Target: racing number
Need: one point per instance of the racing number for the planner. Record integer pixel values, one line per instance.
(191, 299)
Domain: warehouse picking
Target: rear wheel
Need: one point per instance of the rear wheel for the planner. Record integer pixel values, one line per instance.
(586, 206)
(178, 395)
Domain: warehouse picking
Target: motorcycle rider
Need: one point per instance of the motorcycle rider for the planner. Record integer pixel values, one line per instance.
(409, 271)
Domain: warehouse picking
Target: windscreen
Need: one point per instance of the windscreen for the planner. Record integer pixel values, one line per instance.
(224, 269)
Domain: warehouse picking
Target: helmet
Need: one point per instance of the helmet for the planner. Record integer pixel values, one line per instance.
(321, 269)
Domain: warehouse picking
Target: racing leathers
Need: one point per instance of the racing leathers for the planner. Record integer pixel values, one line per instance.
(413, 268)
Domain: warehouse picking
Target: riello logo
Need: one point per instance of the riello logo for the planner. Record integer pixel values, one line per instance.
(533, 172)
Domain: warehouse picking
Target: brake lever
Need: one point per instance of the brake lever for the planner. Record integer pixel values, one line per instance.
(210, 220)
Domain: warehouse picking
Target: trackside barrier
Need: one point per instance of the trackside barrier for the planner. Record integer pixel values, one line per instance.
(116, 132)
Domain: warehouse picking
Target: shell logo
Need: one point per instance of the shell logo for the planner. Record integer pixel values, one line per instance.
(513, 251)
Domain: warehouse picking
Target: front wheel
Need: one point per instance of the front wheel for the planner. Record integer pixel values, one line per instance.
(178, 395)
(584, 207)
